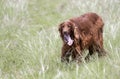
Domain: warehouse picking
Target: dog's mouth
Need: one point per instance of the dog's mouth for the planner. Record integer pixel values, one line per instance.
(68, 39)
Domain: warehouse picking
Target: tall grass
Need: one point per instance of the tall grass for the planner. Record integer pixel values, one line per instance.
(30, 45)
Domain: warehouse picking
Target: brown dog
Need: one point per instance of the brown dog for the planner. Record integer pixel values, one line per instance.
(84, 32)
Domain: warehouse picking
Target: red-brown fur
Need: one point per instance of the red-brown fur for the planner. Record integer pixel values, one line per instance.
(87, 33)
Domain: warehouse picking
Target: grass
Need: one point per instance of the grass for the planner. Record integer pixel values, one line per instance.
(30, 44)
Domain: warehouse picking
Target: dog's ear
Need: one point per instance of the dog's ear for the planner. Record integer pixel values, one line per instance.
(76, 32)
(60, 29)
(80, 36)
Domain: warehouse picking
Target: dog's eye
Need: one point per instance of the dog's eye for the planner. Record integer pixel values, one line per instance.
(69, 25)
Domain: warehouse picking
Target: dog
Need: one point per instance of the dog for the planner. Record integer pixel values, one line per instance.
(79, 33)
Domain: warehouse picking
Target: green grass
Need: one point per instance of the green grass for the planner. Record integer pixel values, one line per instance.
(30, 45)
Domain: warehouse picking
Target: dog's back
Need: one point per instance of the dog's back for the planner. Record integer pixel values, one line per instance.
(87, 21)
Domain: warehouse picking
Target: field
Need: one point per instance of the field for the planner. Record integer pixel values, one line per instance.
(30, 45)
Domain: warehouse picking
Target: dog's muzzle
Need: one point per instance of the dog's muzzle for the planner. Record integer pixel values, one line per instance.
(68, 39)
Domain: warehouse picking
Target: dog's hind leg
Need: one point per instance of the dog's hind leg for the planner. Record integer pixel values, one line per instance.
(91, 51)
(66, 52)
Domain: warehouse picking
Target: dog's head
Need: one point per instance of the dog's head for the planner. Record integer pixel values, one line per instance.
(67, 31)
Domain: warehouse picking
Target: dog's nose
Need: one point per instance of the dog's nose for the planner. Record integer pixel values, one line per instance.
(65, 33)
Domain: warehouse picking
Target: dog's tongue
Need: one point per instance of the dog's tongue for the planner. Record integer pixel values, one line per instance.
(68, 40)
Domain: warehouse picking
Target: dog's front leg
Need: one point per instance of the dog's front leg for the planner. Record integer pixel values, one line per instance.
(66, 52)
(78, 50)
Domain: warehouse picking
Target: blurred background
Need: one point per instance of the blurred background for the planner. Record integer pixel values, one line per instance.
(30, 45)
